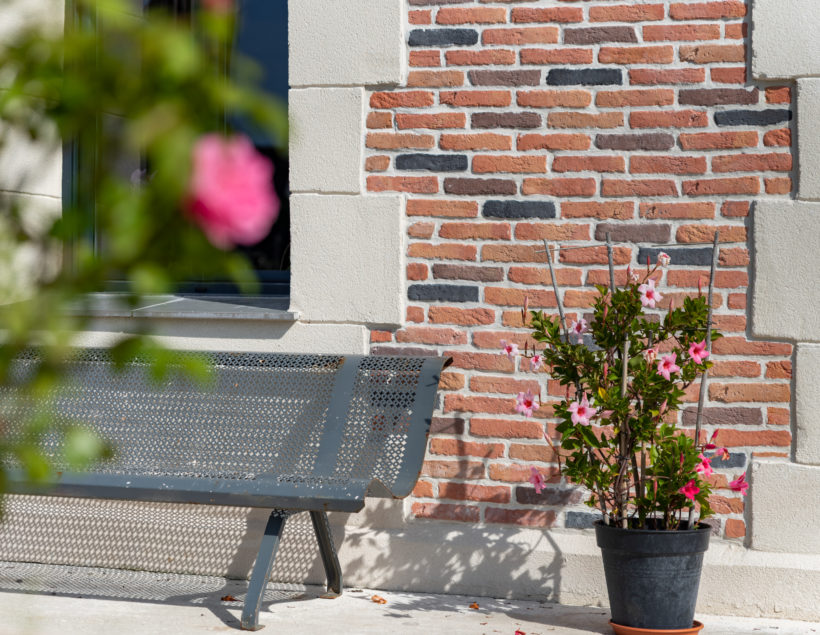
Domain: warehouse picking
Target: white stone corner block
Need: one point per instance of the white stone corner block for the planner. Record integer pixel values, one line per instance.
(784, 39)
(785, 296)
(808, 138)
(784, 510)
(348, 259)
(807, 405)
(346, 42)
(326, 140)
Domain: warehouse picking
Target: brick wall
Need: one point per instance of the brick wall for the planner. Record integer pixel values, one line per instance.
(525, 120)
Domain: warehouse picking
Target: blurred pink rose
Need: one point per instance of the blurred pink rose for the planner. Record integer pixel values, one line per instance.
(231, 191)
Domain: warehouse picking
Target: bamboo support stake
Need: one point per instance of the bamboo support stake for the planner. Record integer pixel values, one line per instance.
(555, 289)
(705, 376)
(611, 264)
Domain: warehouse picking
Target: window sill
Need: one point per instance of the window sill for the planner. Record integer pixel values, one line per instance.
(188, 307)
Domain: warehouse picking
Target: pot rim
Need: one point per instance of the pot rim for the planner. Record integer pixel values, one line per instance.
(702, 526)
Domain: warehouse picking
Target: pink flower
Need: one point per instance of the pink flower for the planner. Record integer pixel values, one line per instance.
(711, 445)
(650, 355)
(581, 411)
(740, 484)
(231, 194)
(526, 403)
(698, 352)
(536, 361)
(579, 328)
(510, 349)
(537, 480)
(667, 366)
(690, 490)
(723, 453)
(704, 467)
(664, 259)
(649, 296)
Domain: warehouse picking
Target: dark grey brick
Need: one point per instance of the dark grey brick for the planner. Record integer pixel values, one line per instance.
(432, 162)
(584, 77)
(649, 141)
(767, 117)
(468, 272)
(442, 293)
(581, 520)
(505, 78)
(506, 120)
(519, 209)
(443, 37)
(736, 459)
(480, 187)
(679, 255)
(718, 96)
(548, 496)
(594, 34)
(634, 232)
(724, 417)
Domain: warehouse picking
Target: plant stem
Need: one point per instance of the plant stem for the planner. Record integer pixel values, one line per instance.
(611, 264)
(623, 460)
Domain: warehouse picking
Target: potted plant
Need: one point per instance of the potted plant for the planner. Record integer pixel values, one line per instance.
(626, 372)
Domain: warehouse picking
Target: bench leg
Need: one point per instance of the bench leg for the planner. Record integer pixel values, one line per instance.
(262, 571)
(332, 569)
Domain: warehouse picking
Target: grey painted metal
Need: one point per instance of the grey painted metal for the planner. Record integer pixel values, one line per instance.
(292, 432)
(262, 569)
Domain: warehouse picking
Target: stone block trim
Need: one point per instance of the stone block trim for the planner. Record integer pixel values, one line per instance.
(563, 121)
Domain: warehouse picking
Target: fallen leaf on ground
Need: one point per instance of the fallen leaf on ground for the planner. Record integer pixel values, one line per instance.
(229, 598)
(378, 599)
(474, 605)
(520, 633)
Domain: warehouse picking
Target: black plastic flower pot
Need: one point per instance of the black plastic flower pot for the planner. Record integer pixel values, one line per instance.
(652, 576)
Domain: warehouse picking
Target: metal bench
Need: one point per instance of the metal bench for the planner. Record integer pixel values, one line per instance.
(288, 432)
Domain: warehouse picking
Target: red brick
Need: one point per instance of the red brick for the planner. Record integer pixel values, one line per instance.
(563, 55)
(463, 470)
(501, 296)
(735, 31)
(585, 120)
(421, 230)
(472, 403)
(425, 58)
(730, 393)
(735, 209)
(420, 17)
(706, 233)
(481, 361)
(636, 55)
(681, 33)
(627, 13)
(492, 339)
(393, 141)
(718, 140)
(377, 337)
(733, 257)
(551, 231)
(440, 511)
(779, 95)
(735, 369)
(595, 255)
(779, 370)
(668, 119)
(541, 276)
(456, 447)
(740, 346)
(525, 517)
(736, 301)
(782, 137)
(588, 163)
(758, 438)
(380, 120)
(638, 187)
(781, 162)
(435, 121)
(517, 473)
(478, 15)
(710, 187)
(423, 489)
(559, 187)
(415, 314)
(712, 53)
(417, 271)
(655, 76)
(778, 186)
(621, 210)
(778, 416)
(554, 98)
(434, 79)
(730, 323)
(469, 98)
(416, 184)
(475, 231)
(620, 98)
(503, 385)
(472, 492)
(449, 251)
(707, 10)
(556, 141)
(729, 75)
(677, 210)
(649, 164)
(540, 452)
(377, 164)
(483, 57)
(406, 99)
(549, 14)
(723, 505)
(574, 298)
(735, 528)
(477, 141)
(723, 279)
(443, 208)
(431, 335)
(523, 35)
(484, 164)
(464, 317)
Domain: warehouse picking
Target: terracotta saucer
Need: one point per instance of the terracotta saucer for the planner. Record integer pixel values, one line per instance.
(631, 630)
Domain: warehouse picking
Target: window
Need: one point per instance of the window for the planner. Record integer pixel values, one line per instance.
(262, 36)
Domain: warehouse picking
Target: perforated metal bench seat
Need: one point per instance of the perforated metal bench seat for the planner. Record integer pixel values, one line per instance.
(290, 432)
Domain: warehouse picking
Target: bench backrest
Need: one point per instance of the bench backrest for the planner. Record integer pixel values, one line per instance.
(310, 419)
